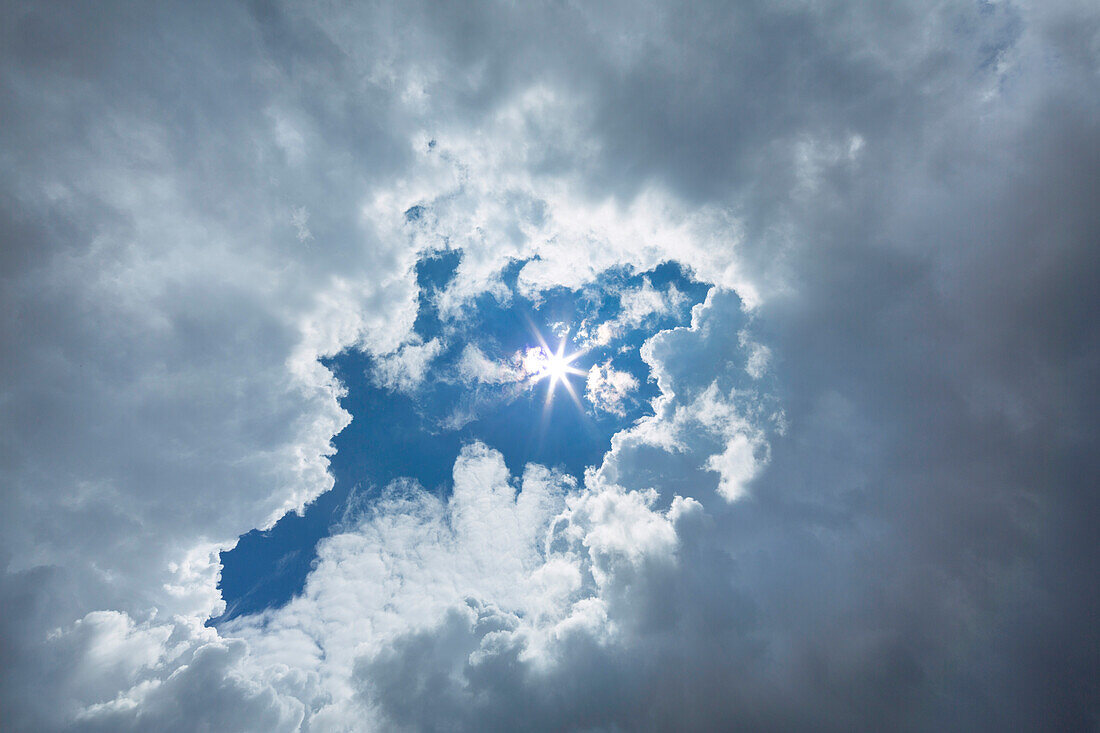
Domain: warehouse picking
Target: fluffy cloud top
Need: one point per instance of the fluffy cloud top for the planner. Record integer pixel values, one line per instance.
(606, 388)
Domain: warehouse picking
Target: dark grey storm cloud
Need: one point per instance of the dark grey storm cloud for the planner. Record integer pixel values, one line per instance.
(895, 527)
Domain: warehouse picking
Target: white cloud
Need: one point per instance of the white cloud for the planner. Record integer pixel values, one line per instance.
(299, 217)
(404, 370)
(638, 305)
(546, 555)
(706, 418)
(475, 367)
(736, 464)
(486, 201)
(607, 388)
(211, 691)
(759, 355)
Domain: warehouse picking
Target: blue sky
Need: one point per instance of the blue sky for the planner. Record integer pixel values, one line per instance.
(398, 435)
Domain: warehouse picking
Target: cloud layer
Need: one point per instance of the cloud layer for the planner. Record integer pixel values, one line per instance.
(865, 499)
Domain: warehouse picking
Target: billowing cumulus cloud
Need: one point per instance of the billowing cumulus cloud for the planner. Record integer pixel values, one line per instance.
(606, 388)
(862, 497)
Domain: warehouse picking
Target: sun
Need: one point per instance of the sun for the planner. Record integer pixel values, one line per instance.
(557, 367)
(541, 363)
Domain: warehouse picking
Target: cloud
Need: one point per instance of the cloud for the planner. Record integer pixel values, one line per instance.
(759, 356)
(404, 370)
(638, 305)
(299, 217)
(737, 465)
(414, 559)
(707, 420)
(606, 388)
(475, 367)
(541, 561)
(896, 204)
(492, 579)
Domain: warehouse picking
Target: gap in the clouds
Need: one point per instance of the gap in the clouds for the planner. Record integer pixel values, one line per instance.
(419, 433)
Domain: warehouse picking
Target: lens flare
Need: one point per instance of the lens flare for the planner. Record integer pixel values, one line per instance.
(540, 362)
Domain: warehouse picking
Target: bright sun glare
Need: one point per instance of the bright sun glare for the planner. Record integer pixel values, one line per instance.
(540, 362)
